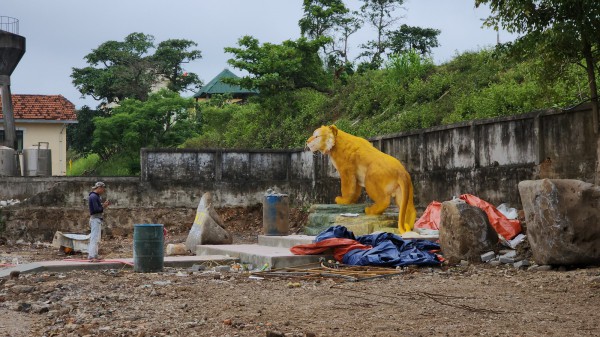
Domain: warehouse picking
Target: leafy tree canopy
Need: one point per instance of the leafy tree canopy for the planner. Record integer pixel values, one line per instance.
(321, 16)
(562, 31)
(164, 120)
(80, 136)
(380, 14)
(128, 69)
(276, 68)
(413, 38)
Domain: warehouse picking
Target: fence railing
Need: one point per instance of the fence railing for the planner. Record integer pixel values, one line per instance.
(9, 24)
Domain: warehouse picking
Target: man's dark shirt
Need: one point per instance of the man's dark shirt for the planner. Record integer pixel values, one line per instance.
(95, 202)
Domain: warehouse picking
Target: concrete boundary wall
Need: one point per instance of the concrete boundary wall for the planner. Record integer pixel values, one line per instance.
(487, 158)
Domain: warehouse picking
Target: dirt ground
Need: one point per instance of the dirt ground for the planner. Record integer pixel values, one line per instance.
(470, 300)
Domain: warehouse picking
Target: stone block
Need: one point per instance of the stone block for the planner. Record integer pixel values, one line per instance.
(521, 264)
(504, 259)
(465, 232)
(563, 221)
(488, 256)
(510, 253)
(495, 263)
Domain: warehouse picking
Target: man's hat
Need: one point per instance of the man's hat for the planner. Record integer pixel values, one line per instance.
(99, 184)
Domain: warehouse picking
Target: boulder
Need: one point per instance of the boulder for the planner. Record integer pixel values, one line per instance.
(177, 249)
(206, 203)
(465, 232)
(563, 221)
(205, 229)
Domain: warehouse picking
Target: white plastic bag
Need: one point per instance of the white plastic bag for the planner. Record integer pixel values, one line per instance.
(508, 212)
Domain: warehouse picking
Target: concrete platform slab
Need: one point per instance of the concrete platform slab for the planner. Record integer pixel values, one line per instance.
(258, 255)
(287, 241)
(70, 265)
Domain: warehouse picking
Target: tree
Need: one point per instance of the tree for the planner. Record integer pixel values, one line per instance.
(413, 38)
(117, 70)
(127, 69)
(347, 25)
(164, 120)
(379, 13)
(169, 57)
(320, 17)
(562, 31)
(338, 59)
(277, 68)
(80, 136)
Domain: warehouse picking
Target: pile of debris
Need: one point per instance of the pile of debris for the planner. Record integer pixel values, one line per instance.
(9, 202)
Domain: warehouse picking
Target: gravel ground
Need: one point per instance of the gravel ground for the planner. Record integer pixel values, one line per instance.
(469, 300)
(458, 301)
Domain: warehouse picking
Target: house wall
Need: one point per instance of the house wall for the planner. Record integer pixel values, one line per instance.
(53, 133)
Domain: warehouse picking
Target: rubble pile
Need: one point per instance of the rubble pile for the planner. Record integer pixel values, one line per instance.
(9, 202)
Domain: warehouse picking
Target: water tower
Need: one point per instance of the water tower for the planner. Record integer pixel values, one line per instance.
(12, 48)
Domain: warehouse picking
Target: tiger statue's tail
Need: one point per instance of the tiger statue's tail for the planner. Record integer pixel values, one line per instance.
(407, 214)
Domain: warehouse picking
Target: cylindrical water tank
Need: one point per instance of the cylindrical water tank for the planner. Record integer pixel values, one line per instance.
(37, 162)
(8, 162)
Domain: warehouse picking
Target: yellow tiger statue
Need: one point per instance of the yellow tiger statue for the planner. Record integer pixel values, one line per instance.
(362, 165)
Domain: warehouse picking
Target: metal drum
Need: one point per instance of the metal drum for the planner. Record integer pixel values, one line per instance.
(8, 162)
(148, 242)
(276, 211)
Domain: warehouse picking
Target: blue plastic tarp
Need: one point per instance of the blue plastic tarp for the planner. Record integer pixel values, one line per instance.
(388, 249)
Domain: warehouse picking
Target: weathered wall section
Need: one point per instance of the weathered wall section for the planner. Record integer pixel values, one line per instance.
(487, 158)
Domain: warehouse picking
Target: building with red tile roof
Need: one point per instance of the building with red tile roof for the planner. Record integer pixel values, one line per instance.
(41, 119)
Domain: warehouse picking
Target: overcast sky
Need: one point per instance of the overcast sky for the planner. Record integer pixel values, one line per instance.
(60, 33)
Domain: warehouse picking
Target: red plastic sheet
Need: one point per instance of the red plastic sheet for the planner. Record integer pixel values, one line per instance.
(431, 217)
(503, 226)
(340, 247)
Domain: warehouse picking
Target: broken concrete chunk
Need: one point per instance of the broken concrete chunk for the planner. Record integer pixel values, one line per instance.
(465, 232)
(488, 256)
(205, 229)
(206, 203)
(510, 253)
(177, 249)
(563, 220)
(223, 269)
(521, 264)
(197, 267)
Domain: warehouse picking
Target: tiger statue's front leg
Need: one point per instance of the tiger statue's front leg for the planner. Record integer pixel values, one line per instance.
(350, 190)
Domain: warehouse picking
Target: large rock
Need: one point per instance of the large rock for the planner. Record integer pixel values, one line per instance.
(177, 249)
(465, 232)
(207, 230)
(563, 220)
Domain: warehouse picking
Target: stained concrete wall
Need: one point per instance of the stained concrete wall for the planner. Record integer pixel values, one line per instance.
(487, 158)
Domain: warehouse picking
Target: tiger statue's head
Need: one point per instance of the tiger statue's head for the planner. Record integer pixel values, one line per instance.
(323, 139)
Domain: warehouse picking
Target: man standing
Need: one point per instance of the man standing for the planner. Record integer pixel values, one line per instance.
(96, 216)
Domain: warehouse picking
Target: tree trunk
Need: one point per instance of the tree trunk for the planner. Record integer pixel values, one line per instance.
(589, 65)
